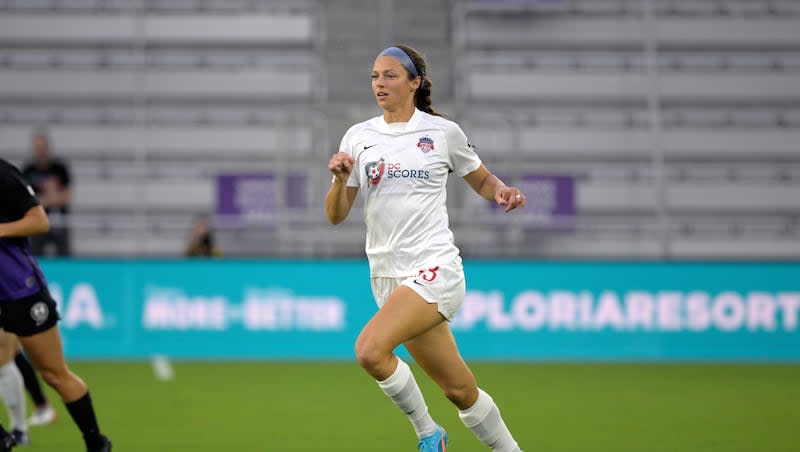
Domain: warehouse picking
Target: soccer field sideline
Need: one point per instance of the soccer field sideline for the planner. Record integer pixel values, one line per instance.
(266, 406)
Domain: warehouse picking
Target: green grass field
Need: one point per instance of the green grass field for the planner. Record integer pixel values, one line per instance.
(336, 407)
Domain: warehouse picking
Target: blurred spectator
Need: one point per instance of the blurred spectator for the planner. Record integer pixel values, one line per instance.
(201, 242)
(50, 178)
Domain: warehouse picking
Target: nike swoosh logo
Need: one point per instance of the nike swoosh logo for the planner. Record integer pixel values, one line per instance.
(418, 283)
(370, 146)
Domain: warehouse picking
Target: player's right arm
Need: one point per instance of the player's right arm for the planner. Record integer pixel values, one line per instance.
(32, 223)
(340, 197)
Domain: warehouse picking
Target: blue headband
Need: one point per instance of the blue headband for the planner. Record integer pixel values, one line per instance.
(400, 55)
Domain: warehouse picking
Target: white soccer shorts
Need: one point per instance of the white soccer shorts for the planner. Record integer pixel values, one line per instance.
(443, 285)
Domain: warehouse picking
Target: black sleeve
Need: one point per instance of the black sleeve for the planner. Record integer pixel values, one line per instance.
(62, 171)
(18, 196)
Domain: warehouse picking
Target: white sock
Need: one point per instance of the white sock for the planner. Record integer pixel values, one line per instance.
(483, 418)
(402, 388)
(13, 390)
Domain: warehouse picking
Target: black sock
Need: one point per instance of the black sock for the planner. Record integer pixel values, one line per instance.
(31, 380)
(82, 413)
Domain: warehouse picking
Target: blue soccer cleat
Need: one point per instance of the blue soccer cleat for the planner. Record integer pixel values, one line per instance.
(435, 442)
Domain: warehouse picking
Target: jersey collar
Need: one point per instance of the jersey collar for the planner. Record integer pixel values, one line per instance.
(411, 125)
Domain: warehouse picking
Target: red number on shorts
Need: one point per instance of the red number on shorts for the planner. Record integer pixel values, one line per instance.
(430, 274)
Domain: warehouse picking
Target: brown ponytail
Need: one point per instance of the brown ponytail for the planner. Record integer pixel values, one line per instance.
(422, 97)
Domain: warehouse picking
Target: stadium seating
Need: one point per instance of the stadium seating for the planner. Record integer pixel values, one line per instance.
(688, 150)
(703, 126)
(149, 101)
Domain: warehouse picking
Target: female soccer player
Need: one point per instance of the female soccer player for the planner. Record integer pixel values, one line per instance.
(400, 161)
(26, 307)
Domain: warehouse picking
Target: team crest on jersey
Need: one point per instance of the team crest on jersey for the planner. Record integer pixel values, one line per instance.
(374, 171)
(426, 144)
(39, 312)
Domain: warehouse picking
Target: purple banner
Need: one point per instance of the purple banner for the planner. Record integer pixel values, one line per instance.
(551, 200)
(246, 199)
(296, 191)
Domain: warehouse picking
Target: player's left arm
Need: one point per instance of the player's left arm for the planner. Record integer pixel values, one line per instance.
(464, 161)
(490, 187)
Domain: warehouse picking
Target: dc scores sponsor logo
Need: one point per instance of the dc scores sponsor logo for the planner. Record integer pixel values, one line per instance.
(396, 171)
(374, 171)
(425, 144)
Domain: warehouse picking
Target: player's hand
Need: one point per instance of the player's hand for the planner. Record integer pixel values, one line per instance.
(341, 165)
(510, 197)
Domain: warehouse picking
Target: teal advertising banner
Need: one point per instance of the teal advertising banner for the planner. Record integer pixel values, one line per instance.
(514, 310)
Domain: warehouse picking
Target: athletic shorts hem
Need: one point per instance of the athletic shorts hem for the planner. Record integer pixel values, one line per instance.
(29, 315)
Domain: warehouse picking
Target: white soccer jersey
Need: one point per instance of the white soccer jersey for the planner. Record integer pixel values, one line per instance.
(401, 171)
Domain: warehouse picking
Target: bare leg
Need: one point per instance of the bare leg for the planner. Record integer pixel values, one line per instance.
(436, 352)
(47, 354)
(404, 315)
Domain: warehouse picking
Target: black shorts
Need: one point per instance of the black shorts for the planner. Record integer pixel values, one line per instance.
(30, 315)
